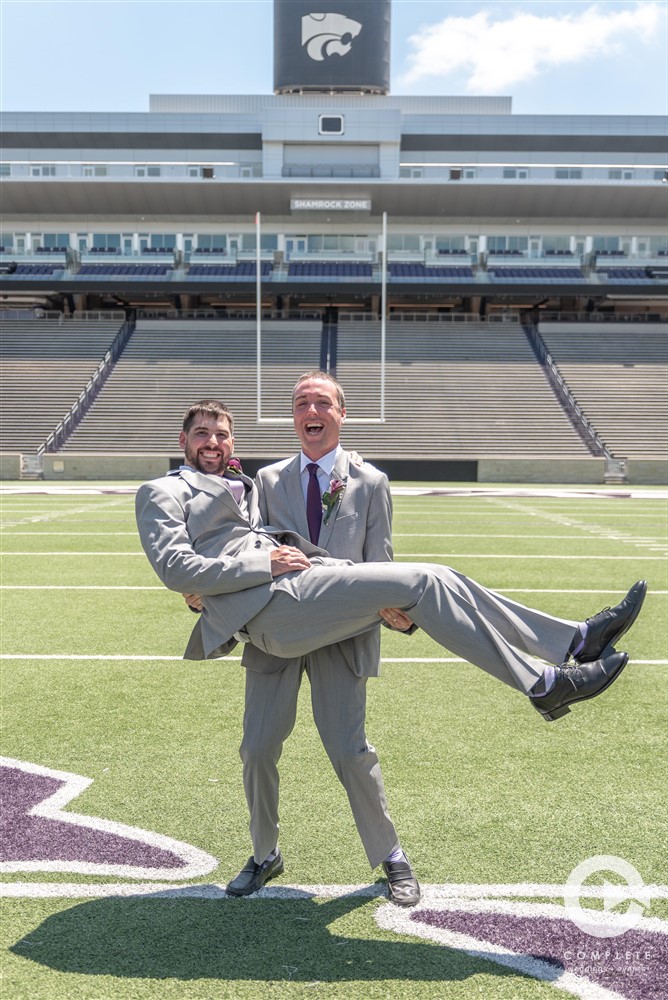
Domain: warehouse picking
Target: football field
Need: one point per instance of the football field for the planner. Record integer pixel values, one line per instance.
(124, 814)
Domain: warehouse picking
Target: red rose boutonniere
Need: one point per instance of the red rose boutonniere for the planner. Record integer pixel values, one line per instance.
(234, 467)
(332, 497)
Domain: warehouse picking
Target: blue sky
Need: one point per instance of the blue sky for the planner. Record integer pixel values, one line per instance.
(550, 56)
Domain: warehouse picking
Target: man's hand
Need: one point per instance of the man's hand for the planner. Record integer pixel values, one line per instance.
(194, 602)
(396, 618)
(285, 559)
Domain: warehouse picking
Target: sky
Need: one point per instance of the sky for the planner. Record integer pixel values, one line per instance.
(550, 56)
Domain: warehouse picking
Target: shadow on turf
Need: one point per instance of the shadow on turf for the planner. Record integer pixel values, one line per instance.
(260, 939)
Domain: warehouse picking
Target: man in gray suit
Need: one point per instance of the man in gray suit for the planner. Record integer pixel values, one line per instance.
(202, 531)
(357, 528)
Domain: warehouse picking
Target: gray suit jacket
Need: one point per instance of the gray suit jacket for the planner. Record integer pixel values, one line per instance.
(197, 539)
(359, 529)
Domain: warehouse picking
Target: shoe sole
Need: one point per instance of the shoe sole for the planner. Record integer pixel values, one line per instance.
(610, 647)
(559, 713)
(231, 892)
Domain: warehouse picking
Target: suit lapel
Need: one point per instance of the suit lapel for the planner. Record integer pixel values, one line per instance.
(215, 486)
(340, 471)
(293, 496)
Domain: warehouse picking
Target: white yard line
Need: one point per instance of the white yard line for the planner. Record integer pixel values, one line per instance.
(120, 657)
(398, 555)
(211, 890)
(501, 590)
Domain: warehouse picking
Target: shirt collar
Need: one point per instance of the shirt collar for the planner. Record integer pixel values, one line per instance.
(326, 463)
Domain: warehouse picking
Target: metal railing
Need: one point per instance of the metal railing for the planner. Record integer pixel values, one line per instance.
(575, 414)
(76, 413)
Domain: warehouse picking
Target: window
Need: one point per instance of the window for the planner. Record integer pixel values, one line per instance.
(620, 175)
(606, 244)
(43, 170)
(411, 172)
(197, 171)
(568, 174)
(507, 244)
(106, 241)
(156, 242)
(5, 169)
(95, 170)
(147, 171)
(209, 242)
(268, 241)
(515, 173)
(330, 124)
(556, 244)
(56, 240)
(455, 173)
(469, 174)
(450, 244)
(403, 242)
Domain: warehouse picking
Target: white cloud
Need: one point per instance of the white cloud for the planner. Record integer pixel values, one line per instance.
(496, 54)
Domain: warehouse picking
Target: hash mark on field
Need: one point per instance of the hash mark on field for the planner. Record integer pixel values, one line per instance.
(54, 515)
(570, 522)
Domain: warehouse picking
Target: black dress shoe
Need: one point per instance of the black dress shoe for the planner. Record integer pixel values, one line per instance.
(253, 876)
(608, 626)
(578, 684)
(402, 886)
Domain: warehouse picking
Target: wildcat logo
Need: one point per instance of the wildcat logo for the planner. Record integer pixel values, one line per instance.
(40, 835)
(328, 35)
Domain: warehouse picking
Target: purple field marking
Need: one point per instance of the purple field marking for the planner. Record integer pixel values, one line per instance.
(37, 835)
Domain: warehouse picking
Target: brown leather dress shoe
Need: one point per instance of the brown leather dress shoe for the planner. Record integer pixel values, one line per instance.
(402, 886)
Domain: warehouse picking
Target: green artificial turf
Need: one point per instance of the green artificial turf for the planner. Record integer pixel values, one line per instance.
(481, 789)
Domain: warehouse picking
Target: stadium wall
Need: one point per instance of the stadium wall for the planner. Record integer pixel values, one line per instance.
(140, 467)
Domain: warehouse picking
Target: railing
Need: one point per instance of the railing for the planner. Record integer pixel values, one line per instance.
(592, 317)
(31, 314)
(570, 405)
(174, 315)
(427, 317)
(77, 411)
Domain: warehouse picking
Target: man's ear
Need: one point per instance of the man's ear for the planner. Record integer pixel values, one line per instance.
(182, 439)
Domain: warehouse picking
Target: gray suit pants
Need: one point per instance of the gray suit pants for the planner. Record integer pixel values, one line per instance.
(325, 604)
(339, 702)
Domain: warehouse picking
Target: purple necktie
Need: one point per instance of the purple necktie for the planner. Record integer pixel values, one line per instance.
(313, 502)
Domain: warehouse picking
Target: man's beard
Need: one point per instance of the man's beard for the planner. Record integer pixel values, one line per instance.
(210, 468)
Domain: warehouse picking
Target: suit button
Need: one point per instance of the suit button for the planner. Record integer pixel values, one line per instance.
(258, 544)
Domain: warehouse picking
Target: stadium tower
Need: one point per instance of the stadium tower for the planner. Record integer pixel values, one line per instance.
(476, 269)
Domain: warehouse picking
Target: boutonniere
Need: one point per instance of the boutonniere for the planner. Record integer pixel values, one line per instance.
(234, 467)
(332, 497)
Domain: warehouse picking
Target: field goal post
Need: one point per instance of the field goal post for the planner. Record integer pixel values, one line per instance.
(276, 421)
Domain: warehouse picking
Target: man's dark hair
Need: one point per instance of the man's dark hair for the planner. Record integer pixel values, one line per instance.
(209, 408)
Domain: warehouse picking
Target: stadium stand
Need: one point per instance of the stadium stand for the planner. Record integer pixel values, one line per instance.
(329, 269)
(535, 273)
(244, 269)
(481, 390)
(422, 271)
(44, 368)
(618, 374)
(452, 390)
(112, 271)
(165, 366)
